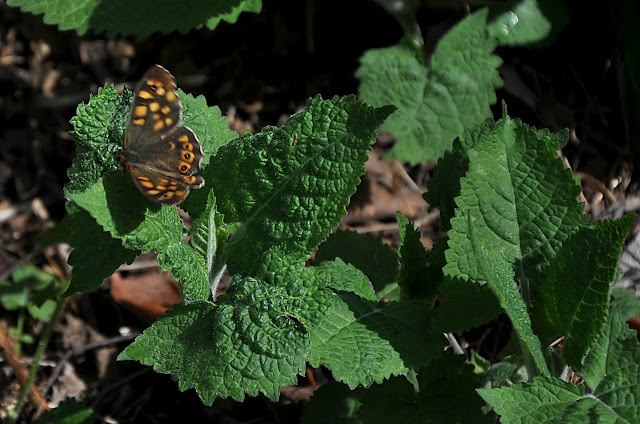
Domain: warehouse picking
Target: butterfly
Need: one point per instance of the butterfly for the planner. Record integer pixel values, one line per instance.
(159, 153)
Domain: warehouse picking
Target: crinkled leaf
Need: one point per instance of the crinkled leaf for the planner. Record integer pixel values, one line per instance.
(98, 131)
(444, 186)
(143, 19)
(616, 350)
(435, 105)
(572, 297)
(363, 342)
(516, 198)
(612, 372)
(289, 187)
(254, 342)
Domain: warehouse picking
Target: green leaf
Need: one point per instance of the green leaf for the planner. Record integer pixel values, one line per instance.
(206, 121)
(612, 372)
(413, 275)
(517, 198)
(364, 251)
(616, 349)
(99, 132)
(289, 187)
(444, 186)
(572, 296)
(208, 237)
(435, 105)
(465, 306)
(30, 289)
(520, 22)
(254, 342)
(96, 255)
(499, 276)
(70, 411)
(446, 395)
(118, 207)
(363, 342)
(99, 128)
(143, 19)
(341, 276)
(15, 294)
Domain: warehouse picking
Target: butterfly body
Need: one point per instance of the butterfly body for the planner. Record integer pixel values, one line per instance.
(160, 154)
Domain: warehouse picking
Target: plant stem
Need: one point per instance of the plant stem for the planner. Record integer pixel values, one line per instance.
(36, 359)
(19, 330)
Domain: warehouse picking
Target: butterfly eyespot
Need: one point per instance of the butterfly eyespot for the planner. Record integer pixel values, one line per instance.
(184, 168)
(186, 155)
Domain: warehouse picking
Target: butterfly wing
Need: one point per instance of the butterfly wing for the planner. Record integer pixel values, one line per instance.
(160, 154)
(156, 108)
(167, 179)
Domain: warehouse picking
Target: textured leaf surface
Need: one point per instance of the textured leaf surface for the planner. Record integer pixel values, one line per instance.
(142, 18)
(139, 223)
(434, 106)
(516, 199)
(575, 288)
(99, 132)
(446, 395)
(517, 205)
(616, 353)
(289, 187)
(611, 371)
(363, 342)
(113, 202)
(208, 237)
(253, 343)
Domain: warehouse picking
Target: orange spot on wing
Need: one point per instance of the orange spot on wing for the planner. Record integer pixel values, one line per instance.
(144, 94)
(140, 111)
